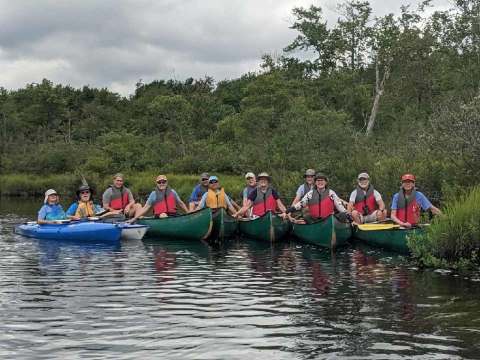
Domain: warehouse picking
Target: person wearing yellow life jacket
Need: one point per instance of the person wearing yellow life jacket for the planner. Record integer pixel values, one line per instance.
(118, 199)
(366, 204)
(264, 198)
(84, 206)
(163, 200)
(408, 203)
(215, 197)
(321, 201)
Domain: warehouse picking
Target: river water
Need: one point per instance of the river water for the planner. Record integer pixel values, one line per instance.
(187, 300)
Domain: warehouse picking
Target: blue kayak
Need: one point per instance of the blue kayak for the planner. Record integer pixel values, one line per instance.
(74, 231)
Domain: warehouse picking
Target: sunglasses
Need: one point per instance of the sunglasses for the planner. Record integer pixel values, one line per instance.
(161, 181)
(213, 181)
(85, 192)
(118, 180)
(250, 178)
(204, 179)
(362, 179)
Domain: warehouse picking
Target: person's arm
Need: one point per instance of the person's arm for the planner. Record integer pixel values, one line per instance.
(426, 204)
(202, 202)
(435, 210)
(244, 208)
(351, 201)
(192, 200)
(71, 212)
(298, 195)
(142, 212)
(337, 201)
(230, 206)
(180, 203)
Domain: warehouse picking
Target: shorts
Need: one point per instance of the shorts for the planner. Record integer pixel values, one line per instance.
(369, 218)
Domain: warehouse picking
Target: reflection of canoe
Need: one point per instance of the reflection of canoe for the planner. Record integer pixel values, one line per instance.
(329, 233)
(133, 231)
(224, 225)
(193, 226)
(392, 238)
(73, 231)
(268, 227)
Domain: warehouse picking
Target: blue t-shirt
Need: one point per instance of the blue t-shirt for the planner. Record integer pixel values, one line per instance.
(73, 209)
(152, 198)
(422, 200)
(197, 193)
(51, 212)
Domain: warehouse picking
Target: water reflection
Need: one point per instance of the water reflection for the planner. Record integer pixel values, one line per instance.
(180, 299)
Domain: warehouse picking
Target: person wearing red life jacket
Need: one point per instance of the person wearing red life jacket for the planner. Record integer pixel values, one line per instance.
(408, 203)
(366, 204)
(264, 198)
(321, 201)
(163, 200)
(118, 199)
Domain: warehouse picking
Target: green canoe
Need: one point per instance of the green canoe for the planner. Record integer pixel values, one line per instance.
(394, 239)
(192, 226)
(329, 232)
(224, 226)
(268, 227)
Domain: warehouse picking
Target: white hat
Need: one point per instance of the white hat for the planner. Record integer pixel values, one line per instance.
(249, 175)
(48, 193)
(363, 175)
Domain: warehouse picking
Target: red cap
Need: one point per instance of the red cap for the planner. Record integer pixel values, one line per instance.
(407, 177)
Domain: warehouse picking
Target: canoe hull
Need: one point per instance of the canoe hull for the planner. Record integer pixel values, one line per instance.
(76, 231)
(224, 226)
(192, 226)
(268, 227)
(391, 239)
(329, 233)
(133, 231)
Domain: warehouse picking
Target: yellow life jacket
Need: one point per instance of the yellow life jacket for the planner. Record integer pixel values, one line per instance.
(85, 209)
(216, 199)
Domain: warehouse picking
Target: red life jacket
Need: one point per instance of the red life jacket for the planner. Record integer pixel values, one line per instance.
(165, 202)
(321, 205)
(119, 198)
(408, 210)
(264, 202)
(365, 202)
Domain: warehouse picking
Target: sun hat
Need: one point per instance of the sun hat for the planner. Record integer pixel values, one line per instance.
(249, 175)
(321, 176)
(309, 172)
(264, 175)
(407, 177)
(48, 193)
(363, 175)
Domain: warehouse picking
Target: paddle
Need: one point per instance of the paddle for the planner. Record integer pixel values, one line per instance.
(373, 227)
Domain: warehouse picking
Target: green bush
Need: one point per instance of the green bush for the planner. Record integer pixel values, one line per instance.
(452, 240)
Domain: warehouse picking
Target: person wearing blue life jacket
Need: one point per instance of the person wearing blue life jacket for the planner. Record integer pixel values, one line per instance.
(84, 207)
(51, 211)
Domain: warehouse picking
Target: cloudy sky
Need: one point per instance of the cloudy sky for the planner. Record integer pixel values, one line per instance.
(114, 43)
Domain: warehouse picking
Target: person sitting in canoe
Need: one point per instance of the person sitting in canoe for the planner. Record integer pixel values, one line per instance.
(84, 206)
(264, 198)
(216, 197)
(307, 185)
(118, 199)
(321, 202)
(198, 191)
(51, 211)
(163, 200)
(251, 182)
(366, 204)
(408, 202)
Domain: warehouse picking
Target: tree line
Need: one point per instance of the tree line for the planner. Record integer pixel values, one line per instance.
(385, 94)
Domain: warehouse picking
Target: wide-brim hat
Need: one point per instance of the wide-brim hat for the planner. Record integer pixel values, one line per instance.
(83, 188)
(321, 176)
(48, 193)
(264, 175)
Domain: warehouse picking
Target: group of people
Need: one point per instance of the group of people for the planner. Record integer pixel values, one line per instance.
(314, 199)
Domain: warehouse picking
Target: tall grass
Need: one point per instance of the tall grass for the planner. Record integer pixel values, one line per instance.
(452, 240)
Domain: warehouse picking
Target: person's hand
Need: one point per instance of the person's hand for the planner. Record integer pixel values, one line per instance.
(283, 215)
(131, 221)
(75, 217)
(407, 225)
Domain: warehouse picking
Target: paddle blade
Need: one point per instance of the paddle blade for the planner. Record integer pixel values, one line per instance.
(373, 227)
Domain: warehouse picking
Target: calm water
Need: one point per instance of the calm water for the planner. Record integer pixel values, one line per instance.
(184, 300)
